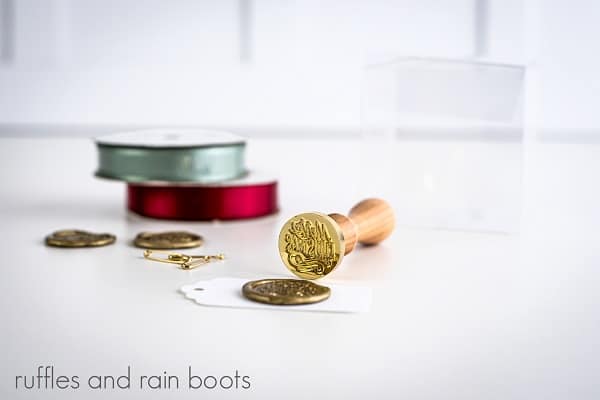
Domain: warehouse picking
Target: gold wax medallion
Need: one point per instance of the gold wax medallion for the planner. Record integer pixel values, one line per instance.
(311, 245)
(168, 240)
(285, 291)
(75, 238)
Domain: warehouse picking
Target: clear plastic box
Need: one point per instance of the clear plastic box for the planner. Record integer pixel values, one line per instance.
(444, 142)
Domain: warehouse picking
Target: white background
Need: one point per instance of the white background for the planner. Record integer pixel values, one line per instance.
(272, 67)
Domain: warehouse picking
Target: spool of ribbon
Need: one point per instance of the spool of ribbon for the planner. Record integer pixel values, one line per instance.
(239, 199)
(171, 155)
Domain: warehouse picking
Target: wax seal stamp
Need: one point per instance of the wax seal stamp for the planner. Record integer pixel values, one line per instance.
(167, 240)
(75, 238)
(285, 291)
(311, 245)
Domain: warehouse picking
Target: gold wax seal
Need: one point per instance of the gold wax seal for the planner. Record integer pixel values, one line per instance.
(285, 291)
(75, 238)
(311, 245)
(168, 240)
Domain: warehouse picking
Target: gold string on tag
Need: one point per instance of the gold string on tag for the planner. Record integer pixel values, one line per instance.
(183, 260)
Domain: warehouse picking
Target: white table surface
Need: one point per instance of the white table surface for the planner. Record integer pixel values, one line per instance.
(455, 315)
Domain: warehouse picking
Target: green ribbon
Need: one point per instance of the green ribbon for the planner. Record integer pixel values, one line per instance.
(178, 164)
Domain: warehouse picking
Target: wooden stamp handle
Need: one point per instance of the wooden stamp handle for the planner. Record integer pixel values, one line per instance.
(368, 222)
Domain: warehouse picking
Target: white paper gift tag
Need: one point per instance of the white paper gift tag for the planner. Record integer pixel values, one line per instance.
(227, 292)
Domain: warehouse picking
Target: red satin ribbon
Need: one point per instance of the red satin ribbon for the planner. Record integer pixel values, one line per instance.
(203, 202)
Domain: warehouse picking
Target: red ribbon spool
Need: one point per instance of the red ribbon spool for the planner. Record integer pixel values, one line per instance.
(239, 200)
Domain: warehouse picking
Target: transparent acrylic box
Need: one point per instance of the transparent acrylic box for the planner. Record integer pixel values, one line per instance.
(443, 141)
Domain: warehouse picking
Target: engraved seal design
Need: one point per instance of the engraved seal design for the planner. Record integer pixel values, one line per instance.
(167, 240)
(285, 291)
(310, 245)
(76, 238)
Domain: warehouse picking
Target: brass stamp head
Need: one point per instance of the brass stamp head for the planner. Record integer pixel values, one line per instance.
(311, 245)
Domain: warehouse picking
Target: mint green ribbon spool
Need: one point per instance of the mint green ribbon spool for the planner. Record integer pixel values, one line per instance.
(203, 164)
